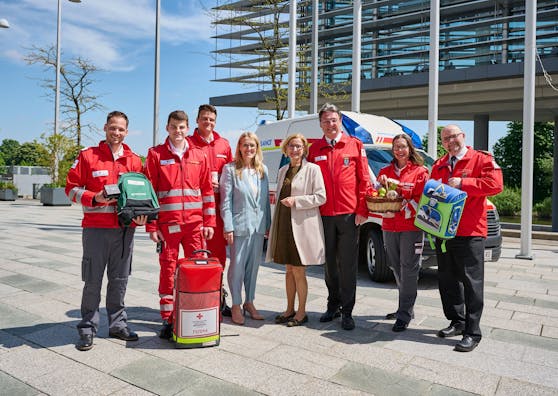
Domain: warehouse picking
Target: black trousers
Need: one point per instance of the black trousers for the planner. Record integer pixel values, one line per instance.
(461, 282)
(341, 241)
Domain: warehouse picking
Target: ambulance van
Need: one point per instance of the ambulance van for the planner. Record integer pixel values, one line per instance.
(376, 132)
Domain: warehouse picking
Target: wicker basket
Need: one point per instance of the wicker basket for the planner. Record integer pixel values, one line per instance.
(379, 204)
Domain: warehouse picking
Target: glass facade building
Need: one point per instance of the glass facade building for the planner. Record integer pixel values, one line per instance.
(395, 38)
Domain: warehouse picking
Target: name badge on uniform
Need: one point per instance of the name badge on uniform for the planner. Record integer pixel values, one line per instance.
(167, 162)
(320, 158)
(346, 161)
(363, 153)
(173, 229)
(100, 173)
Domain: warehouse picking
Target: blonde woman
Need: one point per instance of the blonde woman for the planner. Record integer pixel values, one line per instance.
(246, 214)
(297, 237)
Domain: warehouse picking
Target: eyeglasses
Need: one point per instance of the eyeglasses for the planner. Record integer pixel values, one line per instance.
(451, 137)
(400, 148)
(295, 146)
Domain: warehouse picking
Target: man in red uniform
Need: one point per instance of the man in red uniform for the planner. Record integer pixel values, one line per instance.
(105, 242)
(344, 166)
(181, 177)
(461, 268)
(219, 154)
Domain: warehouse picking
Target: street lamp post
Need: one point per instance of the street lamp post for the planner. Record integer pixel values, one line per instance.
(156, 83)
(57, 91)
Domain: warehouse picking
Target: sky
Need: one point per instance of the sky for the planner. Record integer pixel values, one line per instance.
(118, 36)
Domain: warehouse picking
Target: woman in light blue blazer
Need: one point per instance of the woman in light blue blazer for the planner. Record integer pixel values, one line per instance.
(246, 216)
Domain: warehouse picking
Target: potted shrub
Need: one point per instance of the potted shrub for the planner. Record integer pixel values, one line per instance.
(8, 191)
(54, 195)
(62, 152)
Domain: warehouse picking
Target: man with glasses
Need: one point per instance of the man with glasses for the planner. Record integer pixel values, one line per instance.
(344, 166)
(461, 268)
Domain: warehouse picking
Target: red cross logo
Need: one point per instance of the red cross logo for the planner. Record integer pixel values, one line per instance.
(199, 316)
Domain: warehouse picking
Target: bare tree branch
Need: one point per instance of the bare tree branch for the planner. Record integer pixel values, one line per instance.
(75, 89)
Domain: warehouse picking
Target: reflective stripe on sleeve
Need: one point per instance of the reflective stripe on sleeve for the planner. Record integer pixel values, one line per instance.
(76, 193)
(208, 198)
(210, 212)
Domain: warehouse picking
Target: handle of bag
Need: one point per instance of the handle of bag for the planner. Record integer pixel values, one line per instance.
(433, 246)
(197, 251)
(440, 188)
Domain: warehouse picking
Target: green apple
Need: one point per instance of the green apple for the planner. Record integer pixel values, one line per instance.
(382, 192)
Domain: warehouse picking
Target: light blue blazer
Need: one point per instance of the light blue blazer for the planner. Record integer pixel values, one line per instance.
(241, 213)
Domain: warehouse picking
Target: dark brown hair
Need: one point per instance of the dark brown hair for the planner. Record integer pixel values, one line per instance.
(414, 156)
(178, 115)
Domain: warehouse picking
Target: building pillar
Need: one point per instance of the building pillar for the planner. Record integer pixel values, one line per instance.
(481, 132)
(555, 179)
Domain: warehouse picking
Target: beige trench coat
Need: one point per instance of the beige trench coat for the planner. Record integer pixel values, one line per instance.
(308, 189)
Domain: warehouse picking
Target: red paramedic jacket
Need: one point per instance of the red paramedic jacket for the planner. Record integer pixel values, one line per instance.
(92, 170)
(412, 179)
(346, 176)
(218, 151)
(183, 186)
(481, 178)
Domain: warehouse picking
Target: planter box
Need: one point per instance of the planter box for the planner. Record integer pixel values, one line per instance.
(8, 195)
(54, 196)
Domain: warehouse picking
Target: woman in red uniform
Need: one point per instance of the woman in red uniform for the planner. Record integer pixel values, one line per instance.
(402, 240)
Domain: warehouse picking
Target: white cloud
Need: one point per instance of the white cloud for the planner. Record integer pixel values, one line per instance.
(112, 34)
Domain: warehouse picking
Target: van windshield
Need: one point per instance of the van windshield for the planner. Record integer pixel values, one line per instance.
(378, 158)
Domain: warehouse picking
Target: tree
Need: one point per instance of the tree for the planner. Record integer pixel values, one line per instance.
(8, 151)
(62, 151)
(508, 153)
(76, 98)
(30, 154)
(440, 150)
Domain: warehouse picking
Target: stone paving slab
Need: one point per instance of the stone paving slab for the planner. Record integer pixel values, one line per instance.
(40, 291)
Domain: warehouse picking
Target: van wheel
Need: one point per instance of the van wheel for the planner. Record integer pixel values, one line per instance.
(372, 254)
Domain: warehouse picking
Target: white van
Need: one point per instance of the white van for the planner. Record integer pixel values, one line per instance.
(376, 132)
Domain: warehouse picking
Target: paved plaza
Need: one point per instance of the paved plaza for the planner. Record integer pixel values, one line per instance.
(40, 292)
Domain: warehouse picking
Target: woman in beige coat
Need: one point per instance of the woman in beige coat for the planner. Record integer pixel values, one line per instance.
(297, 236)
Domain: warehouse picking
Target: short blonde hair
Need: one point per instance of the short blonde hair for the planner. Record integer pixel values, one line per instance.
(300, 136)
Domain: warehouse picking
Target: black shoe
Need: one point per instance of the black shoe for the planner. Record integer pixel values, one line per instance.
(467, 344)
(85, 342)
(279, 319)
(124, 334)
(328, 315)
(391, 316)
(347, 322)
(294, 323)
(451, 331)
(166, 331)
(400, 326)
(226, 311)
